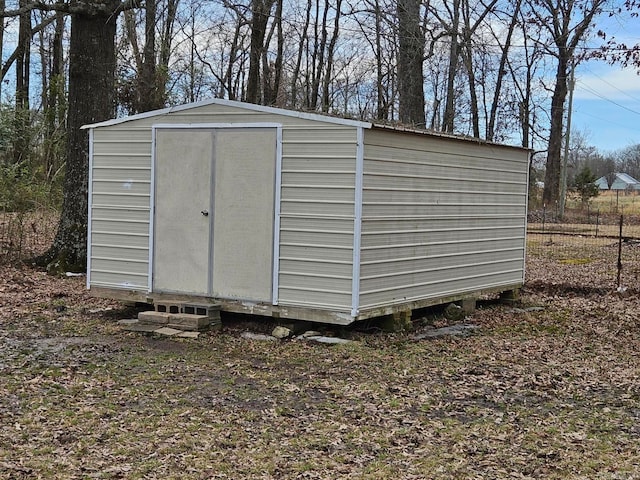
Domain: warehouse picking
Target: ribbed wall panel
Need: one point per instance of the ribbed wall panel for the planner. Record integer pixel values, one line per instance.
(458, 286)
(380, 210)
(119, 240)
(435, 236)
(440, 217)
(329, 267)
(123, 175)
(138, 254)
(123, 161)
(317, 212)
(422, 270)
(313, 298)
(120, 207)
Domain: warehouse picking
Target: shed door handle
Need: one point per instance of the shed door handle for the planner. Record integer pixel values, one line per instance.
(205, 213)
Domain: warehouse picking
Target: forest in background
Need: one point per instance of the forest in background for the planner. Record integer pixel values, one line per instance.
(496, 70)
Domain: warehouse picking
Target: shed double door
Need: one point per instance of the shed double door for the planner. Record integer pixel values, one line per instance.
(214, 212)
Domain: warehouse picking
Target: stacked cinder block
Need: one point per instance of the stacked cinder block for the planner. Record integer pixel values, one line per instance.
(187, 316)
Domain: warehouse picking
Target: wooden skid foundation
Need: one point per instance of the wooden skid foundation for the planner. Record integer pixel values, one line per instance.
(211, 307)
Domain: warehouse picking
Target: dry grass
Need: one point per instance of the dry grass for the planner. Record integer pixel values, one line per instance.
(551, 392)
(612, 202)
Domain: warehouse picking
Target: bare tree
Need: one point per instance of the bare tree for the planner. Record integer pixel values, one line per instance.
(376, 22)
(472, 20)
(23, 69)
(567, 22)
(54, 99)
(449, 110)
(410, 58)
(92, 63)
(260, 14)
(329, 67)
(147, 89)
(2, 28)
(304, 42)
(505, 48)
(272, 71)
(317, 56)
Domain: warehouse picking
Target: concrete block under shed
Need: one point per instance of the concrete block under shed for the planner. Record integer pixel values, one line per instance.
(185, 321)
(180, 321)
(154, 318)
(211, 310)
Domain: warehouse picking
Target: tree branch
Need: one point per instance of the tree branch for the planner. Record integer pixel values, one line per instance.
(76, 8)
(12, 58)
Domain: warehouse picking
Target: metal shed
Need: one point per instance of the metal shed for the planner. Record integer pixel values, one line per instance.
(299, 215)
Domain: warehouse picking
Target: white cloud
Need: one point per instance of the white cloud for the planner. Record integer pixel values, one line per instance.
(600, 81)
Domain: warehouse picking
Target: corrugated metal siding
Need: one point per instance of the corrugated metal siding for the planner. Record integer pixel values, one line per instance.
(317, 214)
(121, 182)
(440, 217)
(317, 206)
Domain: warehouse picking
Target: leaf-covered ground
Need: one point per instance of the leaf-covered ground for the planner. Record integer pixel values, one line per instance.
(536, 393)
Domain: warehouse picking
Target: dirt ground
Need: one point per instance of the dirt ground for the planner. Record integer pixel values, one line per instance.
(551, 391)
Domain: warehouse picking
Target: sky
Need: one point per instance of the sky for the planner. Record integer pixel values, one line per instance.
(606, 102)
(606, 106)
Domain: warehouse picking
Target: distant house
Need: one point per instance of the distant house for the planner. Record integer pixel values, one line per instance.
(621, 182)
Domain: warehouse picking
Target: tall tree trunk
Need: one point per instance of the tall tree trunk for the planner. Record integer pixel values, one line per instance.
(165, 47)
(326, 82)
(272, 72)
(277, 80)
(473, 95)
(320, 46)
(92, 62)
(131, 29)
(43, 51)
(567, 23)
(2, 7)
(150, 94)
(502, 71)
(551, 192)
(149, 87)
(304, 40)
(233, 51)
(448, 120)
(260, 10)
(55, 110)
(23, 60)
(410, 57)
(22, 122)
(524, 108)
(382, 107)
(192, 62)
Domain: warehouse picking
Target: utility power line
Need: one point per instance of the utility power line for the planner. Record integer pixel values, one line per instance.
(612, 85)
(602, 97)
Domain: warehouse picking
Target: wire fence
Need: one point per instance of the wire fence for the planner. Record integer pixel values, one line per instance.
(588, 248)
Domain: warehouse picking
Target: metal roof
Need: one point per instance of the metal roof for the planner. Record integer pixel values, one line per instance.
(622, 181)
(297, 114)
(231, 103)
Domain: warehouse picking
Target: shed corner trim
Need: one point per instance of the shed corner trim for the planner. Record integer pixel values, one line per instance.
(357, 223)
(275, 280)
(89, 208)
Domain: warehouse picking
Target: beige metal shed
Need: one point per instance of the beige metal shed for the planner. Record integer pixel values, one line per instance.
(299, 215)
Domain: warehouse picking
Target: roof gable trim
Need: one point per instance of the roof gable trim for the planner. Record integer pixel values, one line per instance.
(231, 103)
